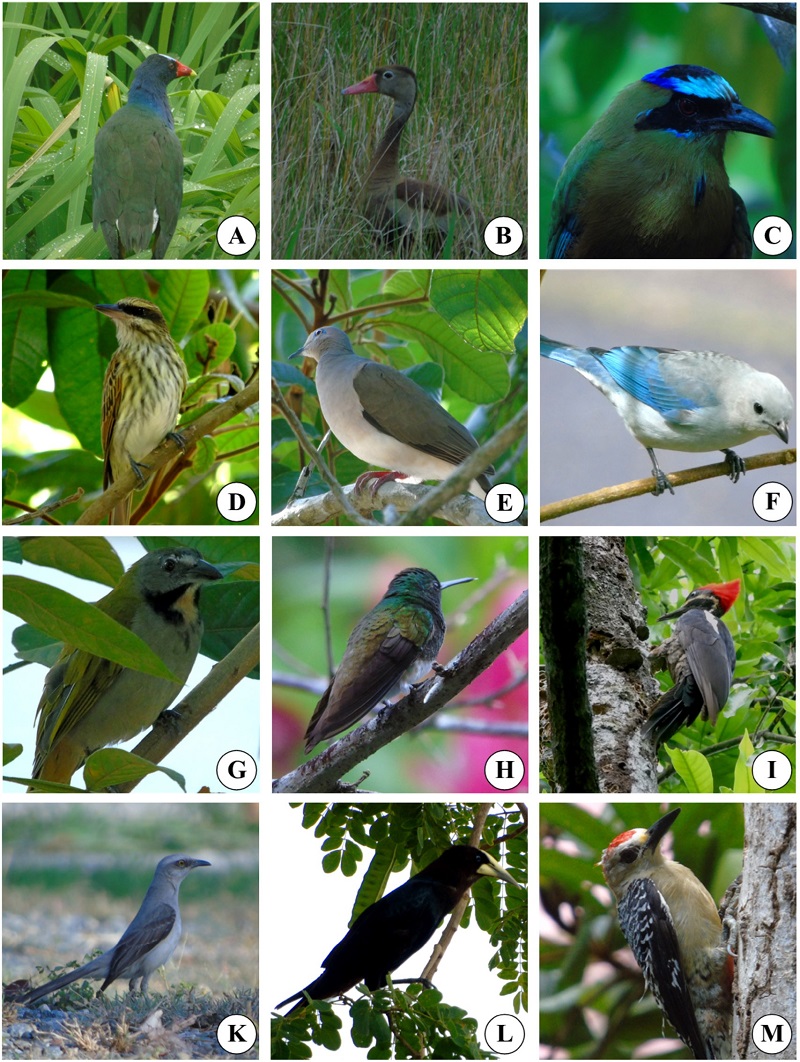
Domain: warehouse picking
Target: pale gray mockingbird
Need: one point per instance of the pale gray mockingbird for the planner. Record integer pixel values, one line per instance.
(148, 941)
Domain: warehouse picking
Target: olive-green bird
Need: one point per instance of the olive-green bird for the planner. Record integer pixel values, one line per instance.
(89, 702)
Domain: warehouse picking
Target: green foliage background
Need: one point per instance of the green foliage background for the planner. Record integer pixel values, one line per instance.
(469, 129)
(49, 322)
(51, 616)
(56, 57)
(581, 967)
(763, 625)
(360, 571)
(459, 334)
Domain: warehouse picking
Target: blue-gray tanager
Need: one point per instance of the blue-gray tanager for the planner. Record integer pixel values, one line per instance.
(683, 399)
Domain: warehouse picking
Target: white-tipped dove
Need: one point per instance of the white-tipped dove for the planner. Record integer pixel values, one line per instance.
(384, 418)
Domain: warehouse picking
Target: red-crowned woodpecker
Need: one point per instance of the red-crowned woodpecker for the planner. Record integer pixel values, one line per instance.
(672, 926)
(699, 656)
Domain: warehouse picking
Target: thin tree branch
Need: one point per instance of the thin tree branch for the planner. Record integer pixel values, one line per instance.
(218, 413)
(310, 450)
(172, 727)
(645, 486)
(459, 481)
(464, 510)
(442, 944)
(42, 513)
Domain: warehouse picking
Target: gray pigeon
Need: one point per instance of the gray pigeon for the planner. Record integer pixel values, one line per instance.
(384, 418)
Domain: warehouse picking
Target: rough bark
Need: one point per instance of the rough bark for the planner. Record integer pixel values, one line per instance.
(766, 972)
(563, 629)
(618, 681)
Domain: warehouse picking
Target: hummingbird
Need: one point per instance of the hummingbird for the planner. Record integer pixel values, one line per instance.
(390, 649)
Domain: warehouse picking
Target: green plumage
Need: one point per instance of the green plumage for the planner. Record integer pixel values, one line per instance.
(89, 702)
(648, 180)
(391, 648)
(137, 180)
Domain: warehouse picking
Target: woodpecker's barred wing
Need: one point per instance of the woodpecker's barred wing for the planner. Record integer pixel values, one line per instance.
(647, 925)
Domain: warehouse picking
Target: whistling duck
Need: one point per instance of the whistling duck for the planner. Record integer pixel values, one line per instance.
(402, 208)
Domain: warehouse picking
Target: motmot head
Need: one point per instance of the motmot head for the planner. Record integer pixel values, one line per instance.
(694, 102)
(648, 180)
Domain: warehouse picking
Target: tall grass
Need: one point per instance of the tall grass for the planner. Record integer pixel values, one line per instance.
(56, 57)
(468, 130)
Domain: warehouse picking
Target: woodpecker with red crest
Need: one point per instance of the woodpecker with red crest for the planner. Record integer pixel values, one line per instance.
(672, 925)
(700, 657)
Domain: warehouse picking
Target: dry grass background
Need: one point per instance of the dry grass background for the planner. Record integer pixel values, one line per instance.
(468, 129)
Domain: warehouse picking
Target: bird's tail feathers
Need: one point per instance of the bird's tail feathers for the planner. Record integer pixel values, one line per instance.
(297, 1006)
(550, 348)
(121, 513)
(670, 715)
(92, 970)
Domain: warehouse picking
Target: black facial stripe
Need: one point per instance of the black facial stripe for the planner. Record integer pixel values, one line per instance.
(146, 313)
(671, 116)
(164, 602)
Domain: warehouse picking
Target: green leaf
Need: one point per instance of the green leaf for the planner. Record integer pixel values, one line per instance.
(330, 862)
(86, 557)
(693, 768)
(486, 307)
(113, 767)
(79, 624)
(743, 781)
(11, 751)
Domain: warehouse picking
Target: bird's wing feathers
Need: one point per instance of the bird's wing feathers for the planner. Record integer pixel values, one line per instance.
(663, 940)
(371, 681)
(637, 371)
(710, 668)
(109, 156)
(138, 167)
(658, 377)
(169, 186)
(397, 406)
(741, 245)
(72, 688)
(565, 227)
(139, 940)
(364, 677)
(389, 931)
(112, 391)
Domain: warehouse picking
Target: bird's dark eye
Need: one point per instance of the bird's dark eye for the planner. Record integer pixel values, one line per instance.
(758, 408)
(169, 564)
(628, 855)
(387, 75)
(687, 107)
